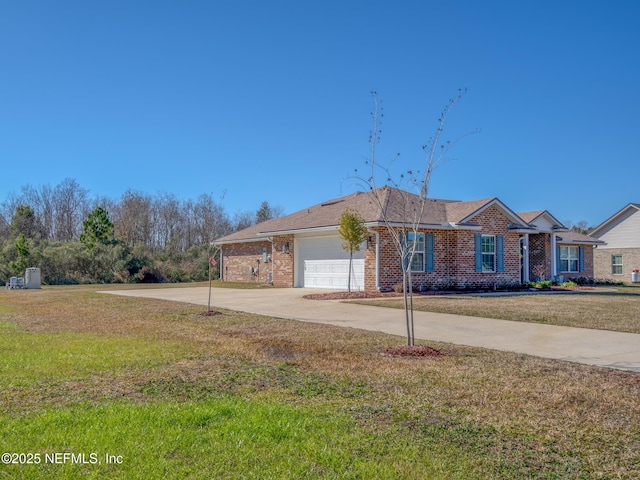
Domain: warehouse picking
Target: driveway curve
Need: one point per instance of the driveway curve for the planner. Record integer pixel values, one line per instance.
(592, 347)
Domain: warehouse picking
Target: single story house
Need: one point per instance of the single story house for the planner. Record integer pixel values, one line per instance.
(619, 254)
(470, 244)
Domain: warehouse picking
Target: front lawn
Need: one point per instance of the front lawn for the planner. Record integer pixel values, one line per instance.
(101, 386)
(601, 308)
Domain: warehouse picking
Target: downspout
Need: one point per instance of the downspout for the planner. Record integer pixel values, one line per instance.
(271, 240)
(221, 267)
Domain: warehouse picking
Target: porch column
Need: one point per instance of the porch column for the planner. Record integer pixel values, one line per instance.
(377, 260)
(554, 260)
(525, 257)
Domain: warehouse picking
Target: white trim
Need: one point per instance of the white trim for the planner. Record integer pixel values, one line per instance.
(569, 258)
(246, 240)
(425, 226)
(577, 242)
(525, 258)
(494, 253)
(617, 264)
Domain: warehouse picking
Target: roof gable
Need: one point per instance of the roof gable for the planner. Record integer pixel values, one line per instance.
(542, 220)
(617, 217)
(469, 210)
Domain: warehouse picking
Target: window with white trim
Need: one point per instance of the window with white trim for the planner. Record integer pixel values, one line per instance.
(616, 264)
(569, 259)
(488, 253)
(417, 262)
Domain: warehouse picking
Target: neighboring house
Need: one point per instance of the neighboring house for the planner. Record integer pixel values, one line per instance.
(620, 254)
(474, 244)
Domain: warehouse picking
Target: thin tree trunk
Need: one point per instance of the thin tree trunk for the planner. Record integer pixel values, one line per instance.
(412, 326)
(406, 307)
(350, 269)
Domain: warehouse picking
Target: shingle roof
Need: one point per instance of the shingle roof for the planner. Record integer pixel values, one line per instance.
(530, 216)
(575, 237)
(397, 205)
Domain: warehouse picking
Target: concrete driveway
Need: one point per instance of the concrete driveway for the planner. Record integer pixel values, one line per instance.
(581, 345)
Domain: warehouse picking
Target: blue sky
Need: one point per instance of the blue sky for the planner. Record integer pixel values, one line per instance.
(271, 100)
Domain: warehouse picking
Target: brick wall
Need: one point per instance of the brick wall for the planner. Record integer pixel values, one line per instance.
(540, 256)
(454, 257)
(602, 263)
(283, 273)
(243, 262)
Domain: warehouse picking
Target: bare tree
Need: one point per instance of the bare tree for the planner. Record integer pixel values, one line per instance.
(42, 201)
(209, 220)
(580, 227)
(169, 219)
(411, 193)
(70, 208)
(242, 220)
(132, 219)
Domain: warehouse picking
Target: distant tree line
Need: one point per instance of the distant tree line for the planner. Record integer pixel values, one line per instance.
(137, 238)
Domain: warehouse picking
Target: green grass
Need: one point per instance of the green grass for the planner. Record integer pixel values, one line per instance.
(223, 437)
(180, 395)
(34, 357)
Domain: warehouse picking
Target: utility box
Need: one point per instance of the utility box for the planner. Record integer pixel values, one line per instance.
(32, 278)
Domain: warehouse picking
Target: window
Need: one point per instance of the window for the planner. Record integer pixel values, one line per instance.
(616, 264)
(569, 259)
(417, 263)
(488, 253)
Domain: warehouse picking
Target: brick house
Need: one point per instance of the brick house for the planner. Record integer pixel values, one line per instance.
(472, 244)
(554, 251)
(619, 253)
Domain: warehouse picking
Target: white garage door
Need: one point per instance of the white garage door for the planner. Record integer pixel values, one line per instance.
(323, 263)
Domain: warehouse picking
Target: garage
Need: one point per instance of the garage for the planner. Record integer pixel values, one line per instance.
(323, 263)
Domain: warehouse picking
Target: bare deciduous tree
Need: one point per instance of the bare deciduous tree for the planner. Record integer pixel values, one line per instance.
(70, 207)
(133, 219)
(411, 193)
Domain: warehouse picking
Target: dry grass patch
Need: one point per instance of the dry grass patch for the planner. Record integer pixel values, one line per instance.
(600, 308)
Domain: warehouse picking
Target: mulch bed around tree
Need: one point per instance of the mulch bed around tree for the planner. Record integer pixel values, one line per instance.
(210, 313)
